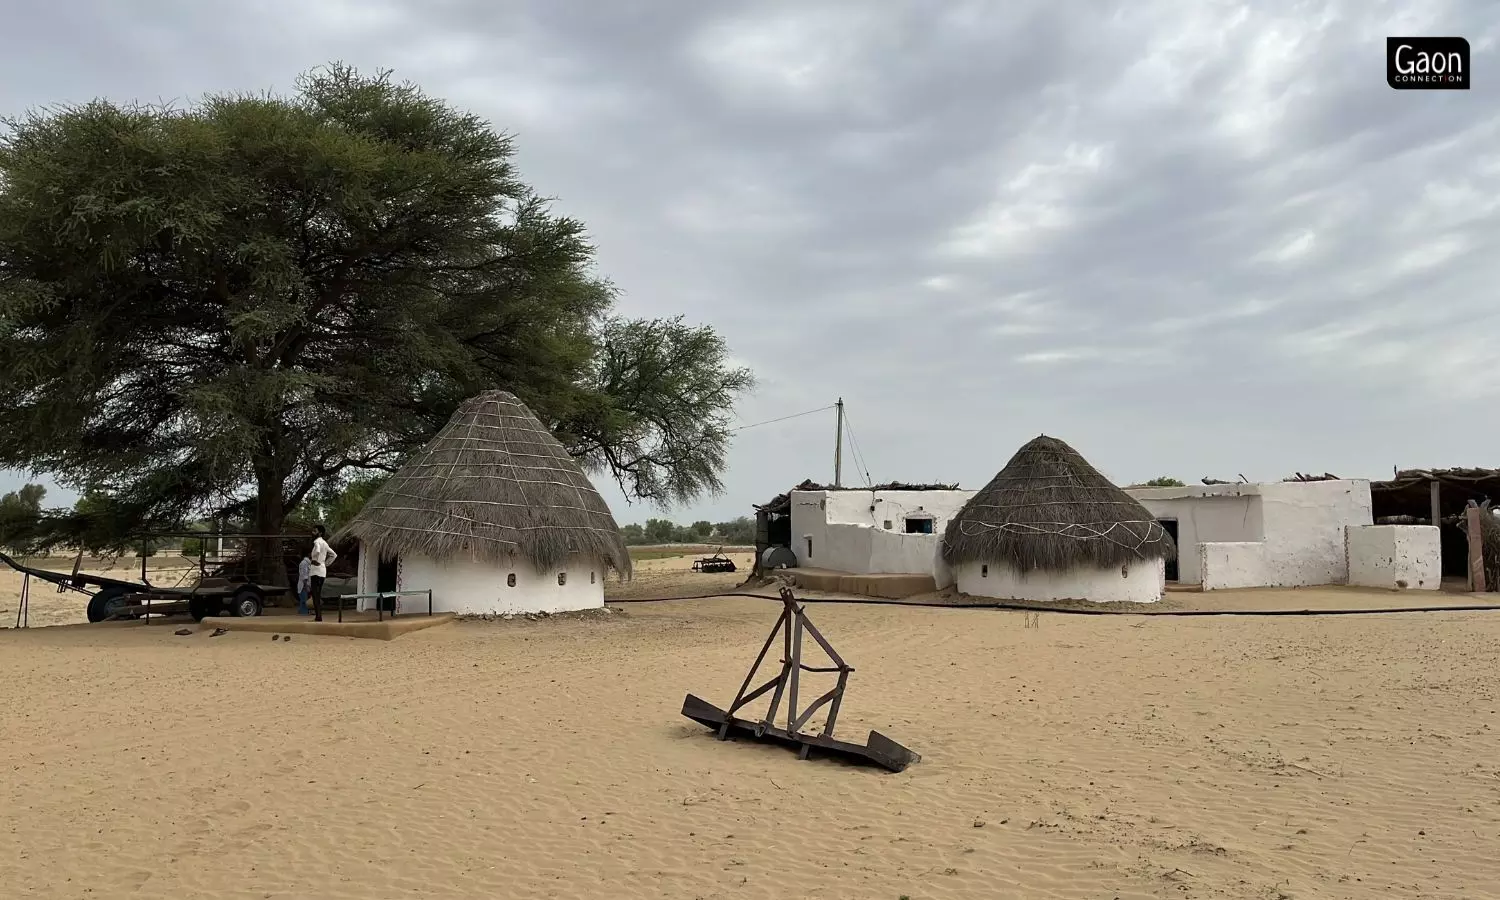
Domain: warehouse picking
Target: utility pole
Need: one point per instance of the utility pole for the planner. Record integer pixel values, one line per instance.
(838, 447)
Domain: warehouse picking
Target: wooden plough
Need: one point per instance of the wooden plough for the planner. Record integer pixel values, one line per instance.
(791, 624)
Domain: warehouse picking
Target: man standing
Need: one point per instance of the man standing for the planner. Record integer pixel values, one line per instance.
(320, 559)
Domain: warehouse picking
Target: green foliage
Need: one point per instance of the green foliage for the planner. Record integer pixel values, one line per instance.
(739, 532)
(660, 531)
(1164, 481)
(20, 517)
(255, 302)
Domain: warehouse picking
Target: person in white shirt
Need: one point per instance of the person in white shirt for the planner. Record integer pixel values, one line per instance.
(321, 557)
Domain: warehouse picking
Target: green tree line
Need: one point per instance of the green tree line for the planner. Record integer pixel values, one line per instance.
(736, 532)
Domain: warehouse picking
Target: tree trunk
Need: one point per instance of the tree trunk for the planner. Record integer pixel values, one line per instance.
(270, 518)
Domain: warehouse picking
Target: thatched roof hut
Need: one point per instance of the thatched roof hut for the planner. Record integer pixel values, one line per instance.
(1049, 510)
(494, 485)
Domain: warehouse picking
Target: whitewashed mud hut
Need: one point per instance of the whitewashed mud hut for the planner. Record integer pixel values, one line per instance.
(492, 516)
(1049, 526)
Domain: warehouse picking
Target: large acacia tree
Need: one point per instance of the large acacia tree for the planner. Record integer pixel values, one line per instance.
(224, 307)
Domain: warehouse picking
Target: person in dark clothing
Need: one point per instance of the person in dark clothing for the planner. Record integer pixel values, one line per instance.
(321, 557)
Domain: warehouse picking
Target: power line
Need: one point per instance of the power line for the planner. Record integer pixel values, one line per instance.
(784, 418)
(859, 458)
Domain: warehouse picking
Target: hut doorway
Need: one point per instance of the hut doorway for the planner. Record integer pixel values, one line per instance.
(1170, 527)
(386, 575)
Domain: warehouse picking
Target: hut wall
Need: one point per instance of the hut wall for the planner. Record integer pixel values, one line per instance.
(1141, 582)
(846, 531)
(1395, 557)
(470, 587)
(1281, 534)
(1210, 514)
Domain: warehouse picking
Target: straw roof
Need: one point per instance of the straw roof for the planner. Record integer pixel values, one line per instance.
(1049, 509)
(493, 485)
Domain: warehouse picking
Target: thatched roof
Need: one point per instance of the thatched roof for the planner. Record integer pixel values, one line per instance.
(494, 484)
(783, 502)
(1049, 509)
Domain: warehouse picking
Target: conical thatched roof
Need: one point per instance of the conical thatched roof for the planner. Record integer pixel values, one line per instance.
(1049, 509)
(494, 484)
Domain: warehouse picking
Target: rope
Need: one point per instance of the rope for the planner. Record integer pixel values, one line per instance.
(1077, 531)
(1022, 607)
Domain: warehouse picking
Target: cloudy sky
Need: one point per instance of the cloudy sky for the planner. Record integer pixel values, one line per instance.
(1190, 238)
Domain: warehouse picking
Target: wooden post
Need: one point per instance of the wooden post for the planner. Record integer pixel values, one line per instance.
(1476, 550)
(838, 447)
(1437, 507)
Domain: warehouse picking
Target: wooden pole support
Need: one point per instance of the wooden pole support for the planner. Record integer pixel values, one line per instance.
(1476, 550)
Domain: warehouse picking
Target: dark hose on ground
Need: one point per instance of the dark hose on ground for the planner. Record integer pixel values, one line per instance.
(1457, 607)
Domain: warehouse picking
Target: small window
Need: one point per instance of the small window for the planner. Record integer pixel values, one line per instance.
(921, 525)
(591, 578)
(887, 524)
(562, 578)
(809, 548)
(510, 580)
(984, 571)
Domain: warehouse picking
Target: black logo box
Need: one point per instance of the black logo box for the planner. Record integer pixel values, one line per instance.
(1427, 63)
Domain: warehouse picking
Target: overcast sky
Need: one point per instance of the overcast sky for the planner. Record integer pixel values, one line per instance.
(1190, 237)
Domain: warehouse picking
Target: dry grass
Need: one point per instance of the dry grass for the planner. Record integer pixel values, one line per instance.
(1049, 510)
(494, 484)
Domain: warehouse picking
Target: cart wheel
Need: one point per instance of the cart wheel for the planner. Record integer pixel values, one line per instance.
(105, 604)
(197, 608)
(247, 604)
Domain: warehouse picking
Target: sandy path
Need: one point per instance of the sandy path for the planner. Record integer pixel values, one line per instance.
(1084, 758)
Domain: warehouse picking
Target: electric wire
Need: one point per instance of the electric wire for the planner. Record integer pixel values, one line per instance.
(783, 418)
(859, 458)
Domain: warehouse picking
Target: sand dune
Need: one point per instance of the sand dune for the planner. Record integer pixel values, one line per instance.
(1083, 758)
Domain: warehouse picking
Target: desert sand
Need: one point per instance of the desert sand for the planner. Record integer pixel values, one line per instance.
(1063, 757)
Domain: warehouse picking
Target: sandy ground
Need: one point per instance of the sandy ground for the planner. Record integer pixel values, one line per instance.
(1063, 756)
(673, 576)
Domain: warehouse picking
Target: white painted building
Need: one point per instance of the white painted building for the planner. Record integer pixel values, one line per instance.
(477, 587)
(1395, 557)
(492, 516)
(1137, 582)
(1288, 534)
(1049, 526)
(864, 532)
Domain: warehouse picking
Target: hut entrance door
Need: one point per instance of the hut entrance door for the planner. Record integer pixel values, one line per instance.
(385, 575)
(1170, 526)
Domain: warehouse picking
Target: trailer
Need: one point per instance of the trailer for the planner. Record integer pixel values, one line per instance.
(118, 598)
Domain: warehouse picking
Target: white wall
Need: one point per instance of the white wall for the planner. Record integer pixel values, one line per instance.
(848, 533)
(467, 586)
(1397, 557)
(1280, 534)
(1141, 582)
(1207, 514)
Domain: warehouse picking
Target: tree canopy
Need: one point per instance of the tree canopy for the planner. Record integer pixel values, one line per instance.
(245, 304)
(20, 512)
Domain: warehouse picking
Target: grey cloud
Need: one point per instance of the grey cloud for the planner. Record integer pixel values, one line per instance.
(1232, 275)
